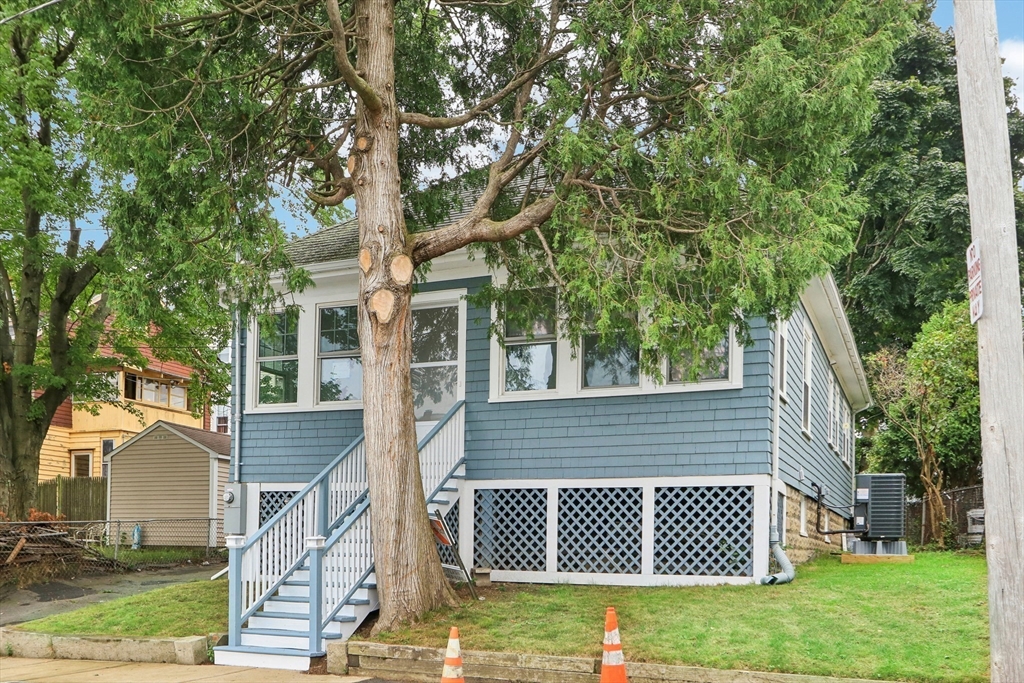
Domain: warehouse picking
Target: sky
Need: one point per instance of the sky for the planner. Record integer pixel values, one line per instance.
(1010, 18)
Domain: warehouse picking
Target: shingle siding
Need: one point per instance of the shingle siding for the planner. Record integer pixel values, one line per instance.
(719, 432)
(819, 463)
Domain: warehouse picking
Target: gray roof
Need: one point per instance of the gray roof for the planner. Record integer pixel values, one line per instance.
(214, 441)
(336, 243)
(341, 242)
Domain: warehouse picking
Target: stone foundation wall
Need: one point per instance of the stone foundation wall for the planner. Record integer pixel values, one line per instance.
(799, 547)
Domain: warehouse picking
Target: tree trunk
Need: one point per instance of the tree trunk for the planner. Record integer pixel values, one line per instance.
(931, 478)
(23, 441)
(408, 569)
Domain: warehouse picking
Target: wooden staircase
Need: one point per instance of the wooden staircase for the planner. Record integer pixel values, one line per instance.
(306, 576)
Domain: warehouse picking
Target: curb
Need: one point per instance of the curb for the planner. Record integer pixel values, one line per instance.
(190, 650)
(423, 665)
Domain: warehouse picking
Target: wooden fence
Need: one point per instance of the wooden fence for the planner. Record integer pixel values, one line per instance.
(76, 498)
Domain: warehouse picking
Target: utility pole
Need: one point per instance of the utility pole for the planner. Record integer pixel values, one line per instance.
(1000, 350)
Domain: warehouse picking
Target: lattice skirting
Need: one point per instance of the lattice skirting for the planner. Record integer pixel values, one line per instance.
(655, 531)
(271, 503)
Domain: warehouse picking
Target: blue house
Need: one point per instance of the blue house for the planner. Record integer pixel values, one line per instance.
(549, 466)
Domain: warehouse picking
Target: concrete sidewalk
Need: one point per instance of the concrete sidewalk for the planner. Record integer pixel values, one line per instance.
(14, 670)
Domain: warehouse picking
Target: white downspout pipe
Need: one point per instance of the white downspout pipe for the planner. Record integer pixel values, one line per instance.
(788, 573)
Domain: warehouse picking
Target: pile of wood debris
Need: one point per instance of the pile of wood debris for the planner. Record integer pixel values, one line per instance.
(52, 542)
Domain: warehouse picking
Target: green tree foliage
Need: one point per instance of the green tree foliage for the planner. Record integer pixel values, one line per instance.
(909, 168)
(672, 168)
(105, 243)
(929, 397)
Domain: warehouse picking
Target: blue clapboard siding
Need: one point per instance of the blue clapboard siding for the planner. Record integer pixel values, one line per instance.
(685, 434)
(722, 432)
(819, 463)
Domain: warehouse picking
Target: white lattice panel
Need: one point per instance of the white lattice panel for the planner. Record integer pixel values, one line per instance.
(599, 530)
(509, 531)
(271, 503)
(704, 531)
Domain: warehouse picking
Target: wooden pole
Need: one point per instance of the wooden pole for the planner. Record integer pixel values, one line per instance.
(1000, 350)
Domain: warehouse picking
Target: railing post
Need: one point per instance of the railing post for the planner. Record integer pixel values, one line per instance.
(323, 498)
(315, 545)
(234, 544)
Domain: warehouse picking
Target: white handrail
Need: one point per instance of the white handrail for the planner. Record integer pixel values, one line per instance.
(279, 547)
(348, 554)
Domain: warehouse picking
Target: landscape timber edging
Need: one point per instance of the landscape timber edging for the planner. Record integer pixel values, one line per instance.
(423, 665)
(190, 650)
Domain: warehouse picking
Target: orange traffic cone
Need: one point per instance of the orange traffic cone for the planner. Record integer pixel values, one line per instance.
(452, 672)
(613, 664)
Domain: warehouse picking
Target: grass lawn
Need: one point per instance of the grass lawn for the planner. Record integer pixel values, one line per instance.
(187, 609)
(925, 621)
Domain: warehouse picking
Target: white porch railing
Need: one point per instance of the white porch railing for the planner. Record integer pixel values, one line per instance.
(348, 554)
(279, 546)
(334, 505)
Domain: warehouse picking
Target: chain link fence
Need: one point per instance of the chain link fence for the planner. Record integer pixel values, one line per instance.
(958, 503)
(47, 549)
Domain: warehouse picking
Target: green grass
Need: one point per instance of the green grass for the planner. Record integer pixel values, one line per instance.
(157, 556)
(188, 609)
(925, 621)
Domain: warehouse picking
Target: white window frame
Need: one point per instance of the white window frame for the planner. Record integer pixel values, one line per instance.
(441, 299)
(803, 515)
(569, 375)
(806, 416)
(783, 360)
(77, 454)
(254, 376)
(847, 434)
(833, 409)
(353, 404)
(308, 345)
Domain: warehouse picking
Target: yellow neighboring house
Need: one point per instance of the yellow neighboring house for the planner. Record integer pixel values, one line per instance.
(77, 440)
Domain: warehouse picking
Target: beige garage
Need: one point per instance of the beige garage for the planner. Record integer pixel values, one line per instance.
(168, 479)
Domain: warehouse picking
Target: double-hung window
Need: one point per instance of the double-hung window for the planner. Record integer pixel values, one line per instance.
(833, 414)
(278, 355)
(847, 434)
(808, 351)
(610, 362)
(435, 361)
(341, 368)
(531, 352)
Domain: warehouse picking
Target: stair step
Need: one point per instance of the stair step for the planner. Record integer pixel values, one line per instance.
(285, 633)
(357, 601)
(439, 501)
(291, 598)
(458, 476)
(450, 489)
(263, 657)
(305, 616)
(369, 586)
(296, 582)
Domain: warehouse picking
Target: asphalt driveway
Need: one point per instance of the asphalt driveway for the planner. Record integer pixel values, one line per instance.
(55, 597)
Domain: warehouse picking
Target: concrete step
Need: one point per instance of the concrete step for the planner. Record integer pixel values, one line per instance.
(262, 657)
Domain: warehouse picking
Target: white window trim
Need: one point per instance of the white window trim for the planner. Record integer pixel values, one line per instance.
(254, 374)
(76, 454)
(309, 373)
(807, 388)
(783, 360)
(832, 412)
(803, 515)
(569, 376)
(318, 357)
